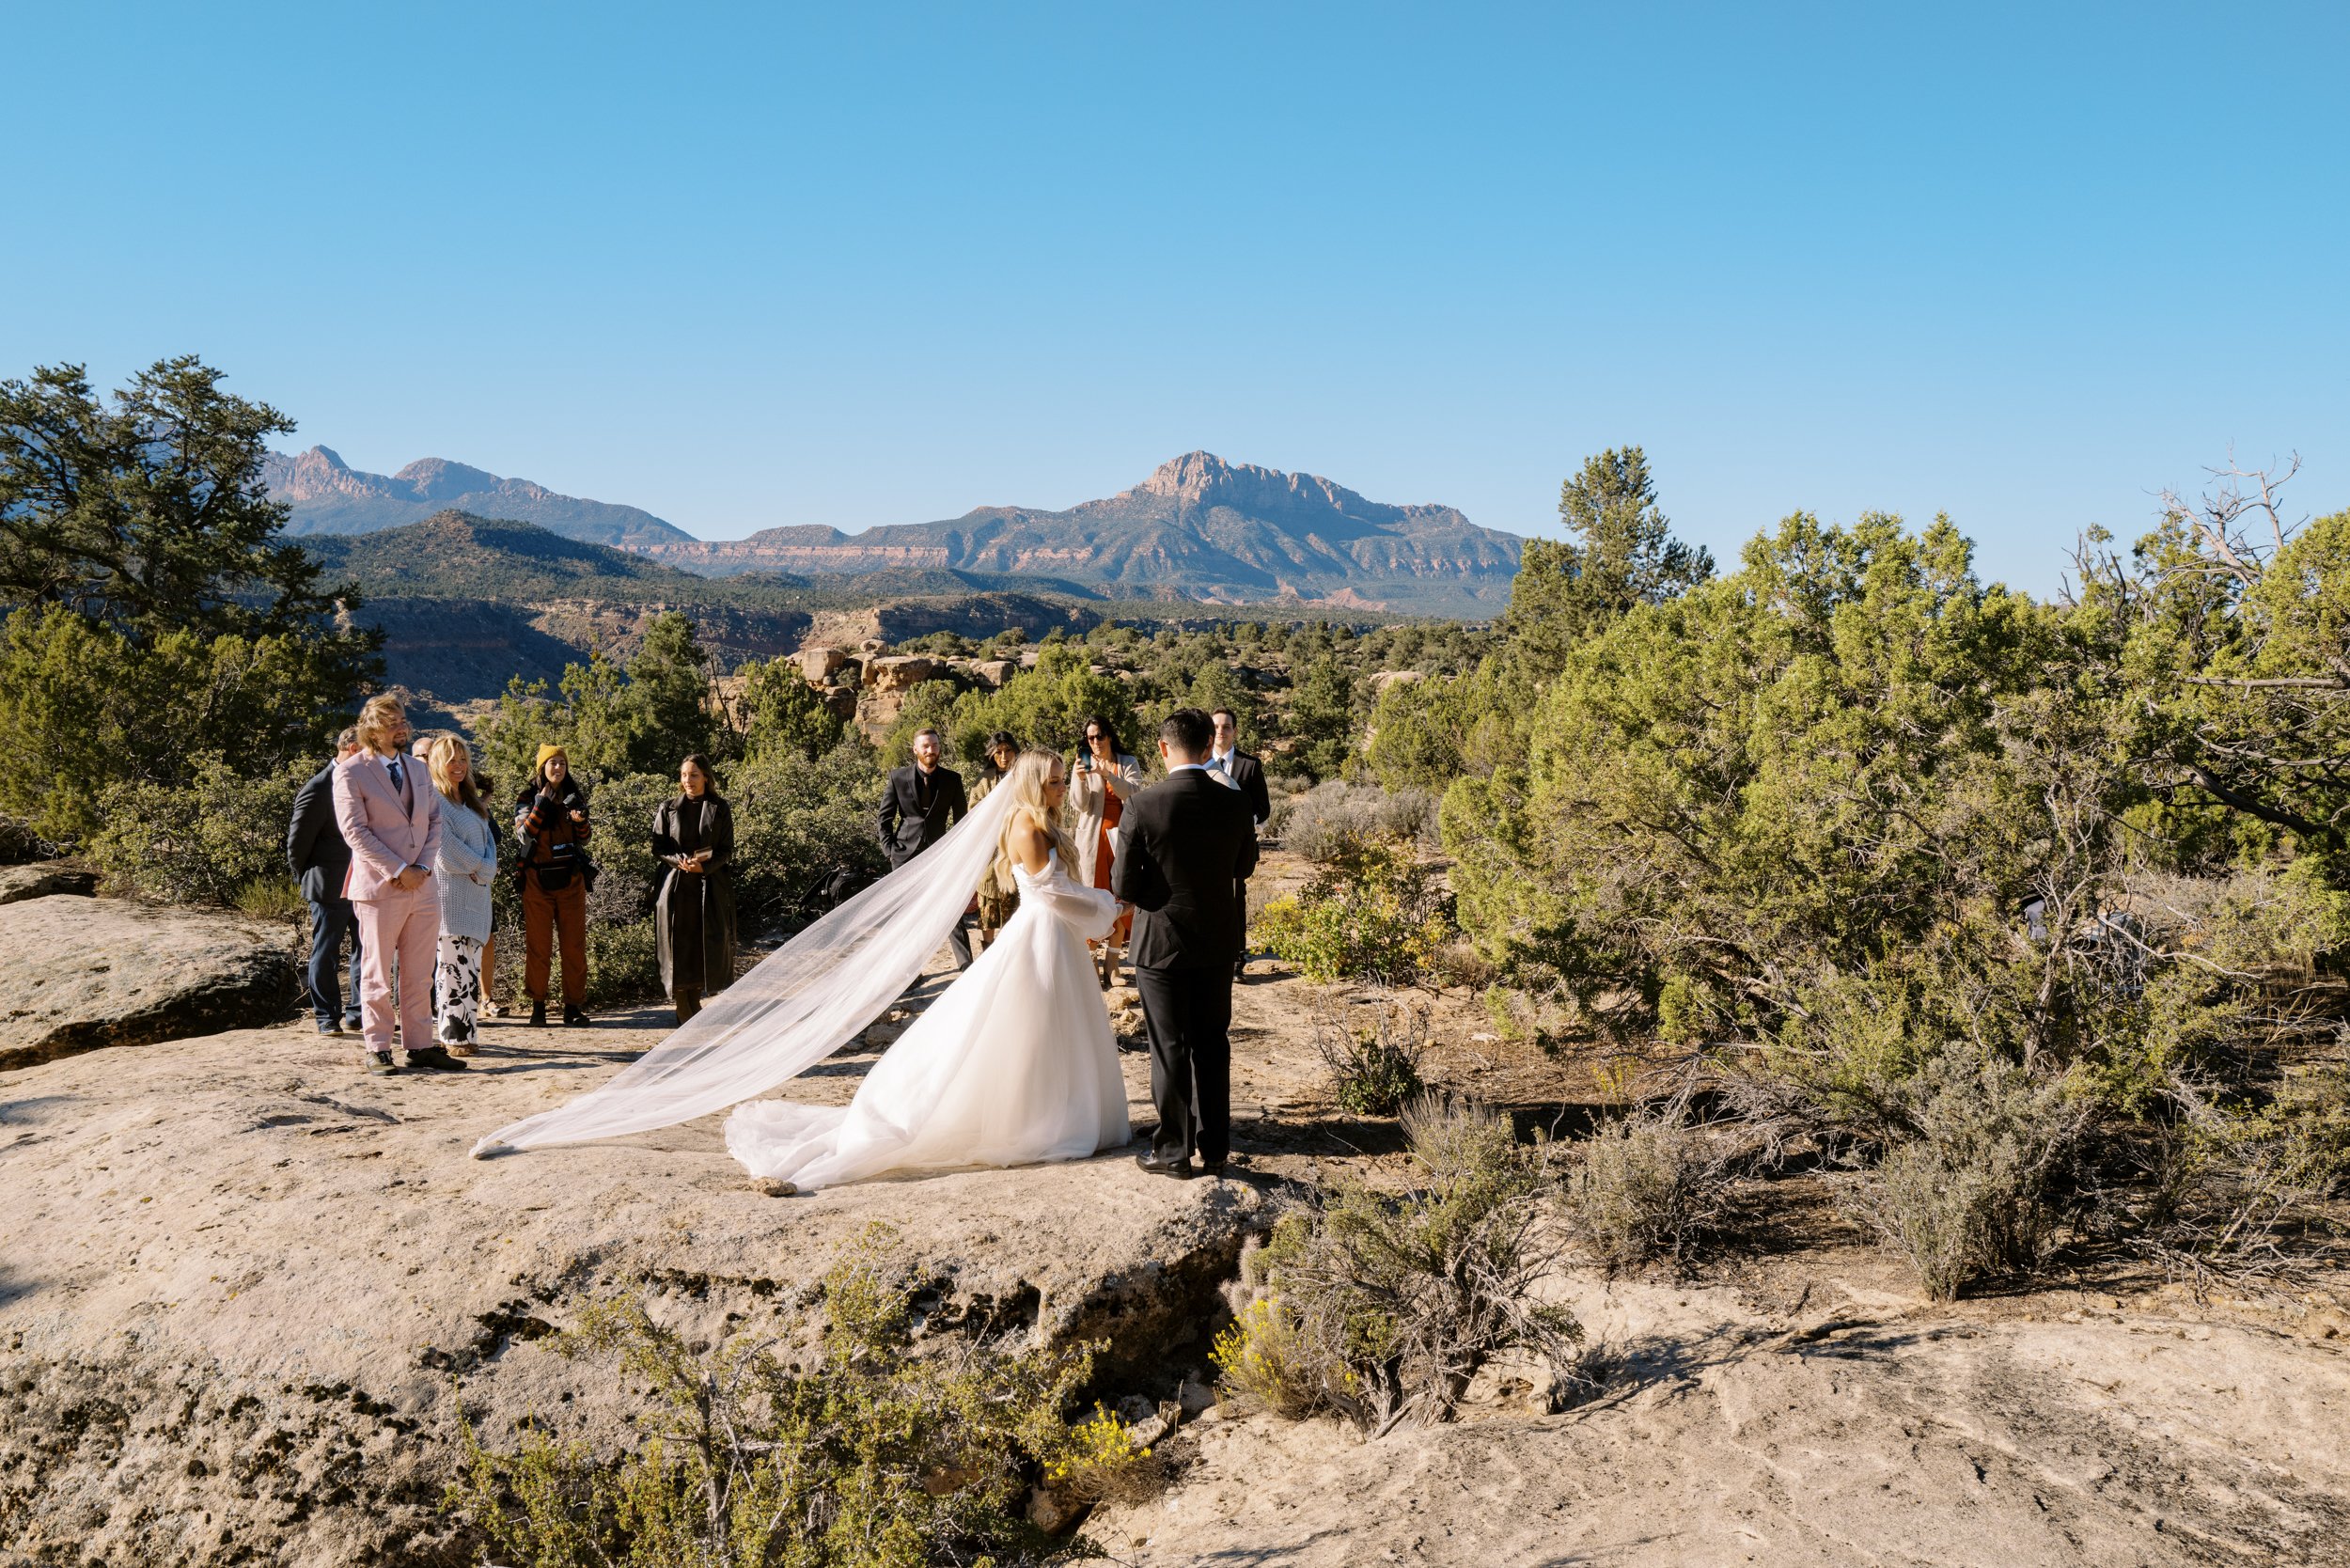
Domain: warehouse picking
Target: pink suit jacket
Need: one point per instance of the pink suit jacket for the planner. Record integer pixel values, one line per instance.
(386, 837)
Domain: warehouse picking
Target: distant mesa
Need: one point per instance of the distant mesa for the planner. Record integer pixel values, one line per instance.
(1198, 527)
(329, 496)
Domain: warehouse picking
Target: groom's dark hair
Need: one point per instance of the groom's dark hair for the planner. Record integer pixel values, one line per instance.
(1187, 730)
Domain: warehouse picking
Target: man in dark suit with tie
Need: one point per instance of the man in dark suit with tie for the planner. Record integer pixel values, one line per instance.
(1245, 774)
(318, 858)
(918, 804)
(1187, 843)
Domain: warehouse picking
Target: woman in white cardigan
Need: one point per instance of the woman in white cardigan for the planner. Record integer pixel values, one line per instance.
(466, 869)
(1100, 780)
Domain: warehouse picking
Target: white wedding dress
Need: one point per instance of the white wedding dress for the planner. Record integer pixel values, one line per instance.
(1012, 1064)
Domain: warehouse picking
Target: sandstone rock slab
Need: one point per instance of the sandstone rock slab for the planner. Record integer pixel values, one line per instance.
(1925, 1438)
(44, 879)
(242, 1280)
(84, 973)
(818, 663)
(901, 672)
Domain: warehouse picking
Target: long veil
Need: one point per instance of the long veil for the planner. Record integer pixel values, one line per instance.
(801, 1004)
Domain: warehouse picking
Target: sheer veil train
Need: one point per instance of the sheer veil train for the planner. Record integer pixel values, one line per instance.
(801, 1004)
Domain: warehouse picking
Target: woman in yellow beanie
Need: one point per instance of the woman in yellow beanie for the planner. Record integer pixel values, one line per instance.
(551, 822)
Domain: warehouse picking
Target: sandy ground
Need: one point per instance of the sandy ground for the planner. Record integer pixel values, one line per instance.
(243, 1240)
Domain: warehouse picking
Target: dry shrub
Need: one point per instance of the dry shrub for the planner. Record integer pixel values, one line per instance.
(1650, 1188)
(1976, 1179)
(1375, 1067)
(1324, 822)
(1382, 1308)
(2247, 1189)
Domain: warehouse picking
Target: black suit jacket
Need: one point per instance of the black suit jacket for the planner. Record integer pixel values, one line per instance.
(1249, 775)
(315, 851)
(906, 829)
(1184, 843)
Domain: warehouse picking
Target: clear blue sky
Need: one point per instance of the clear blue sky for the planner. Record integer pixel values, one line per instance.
(865, 264)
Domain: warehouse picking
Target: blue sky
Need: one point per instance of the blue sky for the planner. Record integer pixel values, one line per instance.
(868, 264)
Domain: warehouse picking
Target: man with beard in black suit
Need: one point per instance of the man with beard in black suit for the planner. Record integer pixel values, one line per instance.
(1188, 841)
(918, 804)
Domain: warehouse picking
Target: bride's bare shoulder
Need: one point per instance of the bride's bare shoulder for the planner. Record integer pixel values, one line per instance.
(1030, 842)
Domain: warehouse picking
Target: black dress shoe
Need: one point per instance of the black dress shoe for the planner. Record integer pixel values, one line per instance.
(1211, 1168)
(575, 1018)
(537, 1015)
(1179, 1167)
(435, 1059)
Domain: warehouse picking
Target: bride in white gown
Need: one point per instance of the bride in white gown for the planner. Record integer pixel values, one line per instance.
(1014, 1063)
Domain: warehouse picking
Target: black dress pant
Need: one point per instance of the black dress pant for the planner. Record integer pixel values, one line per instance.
(1189, 1015)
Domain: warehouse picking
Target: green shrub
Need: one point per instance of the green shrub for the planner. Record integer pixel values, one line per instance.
(623, 963)
(1374, 1066)
(869, 1457)
(2249, 1181)
(795, 820)
(218, 840)
(1375, 913)
(1381, 1308)
(1974, 1180)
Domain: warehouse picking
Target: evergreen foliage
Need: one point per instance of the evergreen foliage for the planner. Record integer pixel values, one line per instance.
(155, 621)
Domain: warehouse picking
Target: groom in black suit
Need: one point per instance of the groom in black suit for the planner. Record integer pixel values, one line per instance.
(1187, 842)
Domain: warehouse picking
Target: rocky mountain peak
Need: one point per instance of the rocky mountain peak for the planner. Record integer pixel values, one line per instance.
(439, 480)
(1202, 481)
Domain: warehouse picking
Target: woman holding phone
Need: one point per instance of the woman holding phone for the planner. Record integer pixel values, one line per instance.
(1100, 780)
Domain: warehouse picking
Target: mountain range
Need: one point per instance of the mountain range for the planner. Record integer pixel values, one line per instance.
(1198, 527)
(329, 496)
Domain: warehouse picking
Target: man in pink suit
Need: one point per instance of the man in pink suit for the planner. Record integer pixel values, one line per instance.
(390, 816)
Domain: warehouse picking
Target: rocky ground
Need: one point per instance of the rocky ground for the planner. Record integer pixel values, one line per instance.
(241, 1284)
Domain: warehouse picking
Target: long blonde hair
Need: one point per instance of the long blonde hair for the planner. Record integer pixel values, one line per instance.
(460, 792)
(1030, 773)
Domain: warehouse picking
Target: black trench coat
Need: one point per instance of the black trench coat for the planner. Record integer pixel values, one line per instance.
(695, 912)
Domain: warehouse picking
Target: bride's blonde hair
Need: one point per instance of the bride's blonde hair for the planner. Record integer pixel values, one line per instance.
(1031, 771)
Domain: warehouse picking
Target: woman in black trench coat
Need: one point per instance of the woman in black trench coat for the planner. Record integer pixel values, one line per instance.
(694, 837)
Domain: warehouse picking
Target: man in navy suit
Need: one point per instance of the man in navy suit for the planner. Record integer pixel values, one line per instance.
(1245, 774)
(318, 858)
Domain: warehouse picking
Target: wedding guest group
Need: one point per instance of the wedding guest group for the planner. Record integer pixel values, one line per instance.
(390, 820)
(1102, 778)
(1244, 773)
(694, 913)
(551, 830)
(919, 803)
(998, 899)
(467, 869)
(320, 861)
